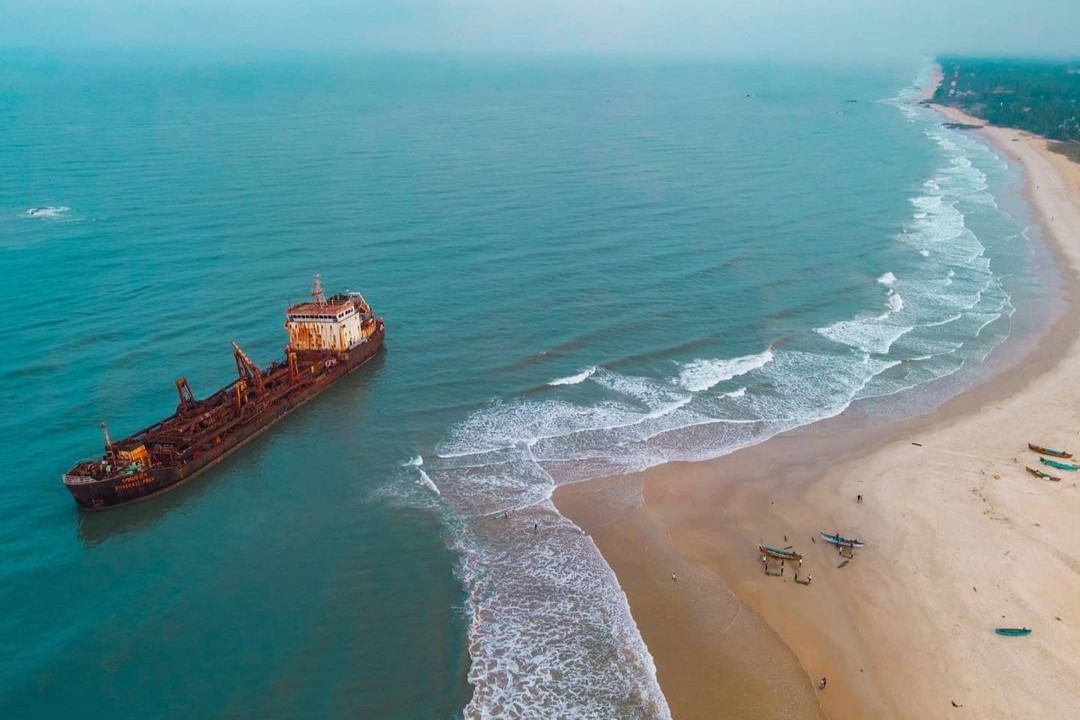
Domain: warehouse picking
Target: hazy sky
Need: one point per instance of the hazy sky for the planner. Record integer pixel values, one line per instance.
(722, 28)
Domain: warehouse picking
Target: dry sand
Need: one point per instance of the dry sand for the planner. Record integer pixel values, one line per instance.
(960, 540)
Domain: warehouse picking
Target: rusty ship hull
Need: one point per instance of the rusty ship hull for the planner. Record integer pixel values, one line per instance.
(202, 433)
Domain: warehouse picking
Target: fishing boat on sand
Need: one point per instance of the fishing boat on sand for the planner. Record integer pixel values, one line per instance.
(779, 554)
(841, 541)
(1059, 465)
(1049, 451)
(1041, 474)
(1013, 632)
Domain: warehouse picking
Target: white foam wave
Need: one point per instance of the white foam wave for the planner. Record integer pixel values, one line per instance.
(51, 211)
(735, 393)
(414, 462)
(575, 379)
(870, 335)
(895, 301)
(426, 480)
(703, 374)
(887, 279)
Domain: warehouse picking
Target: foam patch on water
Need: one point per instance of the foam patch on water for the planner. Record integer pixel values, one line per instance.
(887, 279)
(575, 379)
(426, 480)
(895, 302)
(552, 634)
(866, 334)
(702, 375)
(52, 211)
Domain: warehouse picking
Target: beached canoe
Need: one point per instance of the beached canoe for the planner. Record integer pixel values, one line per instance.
(779, 554)
(1041, 474)
(1059, 465)
(1049, 451)
(842, 541)
(1013, 632)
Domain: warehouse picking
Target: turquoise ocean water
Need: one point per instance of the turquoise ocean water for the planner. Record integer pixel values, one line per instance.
(585, 267)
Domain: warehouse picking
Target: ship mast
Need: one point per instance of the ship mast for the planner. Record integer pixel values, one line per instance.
(108, 440)
(317, 295)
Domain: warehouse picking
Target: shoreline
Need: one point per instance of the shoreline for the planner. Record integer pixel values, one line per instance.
(958, 535)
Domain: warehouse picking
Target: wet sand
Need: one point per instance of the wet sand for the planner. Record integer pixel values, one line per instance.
(960, 540)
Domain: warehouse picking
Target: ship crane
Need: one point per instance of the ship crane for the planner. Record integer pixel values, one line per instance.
(248, 370)
(187, 398)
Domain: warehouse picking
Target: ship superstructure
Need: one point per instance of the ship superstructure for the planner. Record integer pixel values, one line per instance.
(328, 338)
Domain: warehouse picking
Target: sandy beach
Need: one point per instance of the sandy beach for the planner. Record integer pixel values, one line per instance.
(960, 540)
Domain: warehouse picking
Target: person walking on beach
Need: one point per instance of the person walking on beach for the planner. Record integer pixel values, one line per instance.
(821, 685)
(674, 577)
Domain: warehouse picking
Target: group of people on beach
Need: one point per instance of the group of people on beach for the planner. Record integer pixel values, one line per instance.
(765, 567)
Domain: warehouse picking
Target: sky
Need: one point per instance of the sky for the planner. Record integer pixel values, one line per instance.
(672, 28)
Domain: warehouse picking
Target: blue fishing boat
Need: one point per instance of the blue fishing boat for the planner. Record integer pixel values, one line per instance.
(1049, 451)
(1013, 632)
(841, 541)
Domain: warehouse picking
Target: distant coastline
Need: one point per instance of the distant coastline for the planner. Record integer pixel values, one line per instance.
(1040, 97)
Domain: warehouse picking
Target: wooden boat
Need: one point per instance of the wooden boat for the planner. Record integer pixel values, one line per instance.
(842, 541)
(1059, 465)
(1041, 474)
(1013, 632)
(779, 554)
(1048, 451)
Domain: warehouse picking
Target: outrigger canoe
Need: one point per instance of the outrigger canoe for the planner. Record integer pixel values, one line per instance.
(1041, 474)
(1013, 632)
(1048, 451)
(842, 541)
(1058, 465)
(780, 554)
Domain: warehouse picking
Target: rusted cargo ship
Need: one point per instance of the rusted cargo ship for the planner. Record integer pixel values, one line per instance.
(328, 338)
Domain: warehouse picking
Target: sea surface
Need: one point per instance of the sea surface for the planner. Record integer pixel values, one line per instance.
(586, 267)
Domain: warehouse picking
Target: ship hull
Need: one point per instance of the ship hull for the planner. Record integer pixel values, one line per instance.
(150, 482)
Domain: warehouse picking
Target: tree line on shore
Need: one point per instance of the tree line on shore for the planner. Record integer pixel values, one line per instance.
(1039, 96)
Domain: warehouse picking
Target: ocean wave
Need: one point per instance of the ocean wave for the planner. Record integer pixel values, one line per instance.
(887, 279)
(575, 379)
(505, 424)
(51, 211)
(700, 375)
(870, 335)
(895, 302)
(426, 480)
(552, 634)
